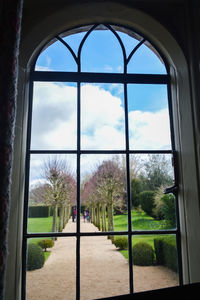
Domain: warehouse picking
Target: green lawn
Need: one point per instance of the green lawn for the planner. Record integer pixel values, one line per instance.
(37, 225)
(40, 224)
(140, 221)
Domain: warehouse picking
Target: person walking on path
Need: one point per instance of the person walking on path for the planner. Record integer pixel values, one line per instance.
(84, 215)
(73, 214)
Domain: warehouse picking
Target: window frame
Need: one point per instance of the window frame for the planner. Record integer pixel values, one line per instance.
(89, 77)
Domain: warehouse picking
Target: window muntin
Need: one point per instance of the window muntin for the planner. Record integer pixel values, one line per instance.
(108, 58)
(124, 79)
(61, 61)
(145, 61)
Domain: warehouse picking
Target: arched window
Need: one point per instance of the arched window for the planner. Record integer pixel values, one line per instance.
(101, 142)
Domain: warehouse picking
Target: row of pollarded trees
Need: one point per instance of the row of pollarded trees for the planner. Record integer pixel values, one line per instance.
(58, 191)
(103, 192)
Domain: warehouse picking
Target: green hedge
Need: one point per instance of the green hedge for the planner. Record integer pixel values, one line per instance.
(39, 212)
(166, 252)
(35, 257)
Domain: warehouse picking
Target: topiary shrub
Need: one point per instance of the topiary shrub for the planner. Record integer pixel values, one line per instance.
(121, 242)
(143, 254)
(147, 202)
(46, 243)
(35, 257)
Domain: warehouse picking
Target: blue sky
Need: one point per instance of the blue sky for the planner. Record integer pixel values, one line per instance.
(102, 105)
(101, 53)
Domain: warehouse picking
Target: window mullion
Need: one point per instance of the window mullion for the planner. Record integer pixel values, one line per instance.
(128, 191)
(78, 191)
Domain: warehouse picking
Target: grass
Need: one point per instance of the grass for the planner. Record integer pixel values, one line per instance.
(140, 221)
(37, 225)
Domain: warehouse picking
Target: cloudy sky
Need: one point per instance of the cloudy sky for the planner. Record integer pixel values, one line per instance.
(102, 105)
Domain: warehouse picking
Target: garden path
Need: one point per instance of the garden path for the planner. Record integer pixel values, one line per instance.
(104, 271)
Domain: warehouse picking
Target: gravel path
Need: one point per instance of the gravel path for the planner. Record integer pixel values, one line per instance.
(104, 271)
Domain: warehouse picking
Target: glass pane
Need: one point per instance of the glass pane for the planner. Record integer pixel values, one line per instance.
(149, 125)
(129, 42)
(54, 116)
(155, 263)
(150, 175)
(56, 57)
(147, 61)
(102, 52)
(51, 272)
(102, 117)
(104, 270)
(52, 193)
(74, 40)
(103, 193)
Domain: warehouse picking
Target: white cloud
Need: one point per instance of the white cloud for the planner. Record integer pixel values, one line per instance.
(54, 116)
(42, 68)
(100, 108)
(104, 138)
(102, 121)
(149, 130)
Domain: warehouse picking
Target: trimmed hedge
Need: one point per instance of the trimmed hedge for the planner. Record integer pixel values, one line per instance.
(143, 254)
(166, 252)
(39, 212)
(35, 257)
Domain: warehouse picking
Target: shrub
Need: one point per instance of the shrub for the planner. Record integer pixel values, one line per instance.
(166, 252)
(121, 242)
(35, 257)
(147, 202)
(135, 191)
(168, 209)
(143, 254)
(47, 243)
(158, 203)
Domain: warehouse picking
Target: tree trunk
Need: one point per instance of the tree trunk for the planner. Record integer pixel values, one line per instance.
(103, 217)
(93, 214)
(55, 218)
(110, 219)
(61, 220)
(68, 209)
(98, 222)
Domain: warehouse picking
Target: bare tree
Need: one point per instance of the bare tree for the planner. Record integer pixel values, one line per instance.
(105, 190)
(60, 192)
(37, 195)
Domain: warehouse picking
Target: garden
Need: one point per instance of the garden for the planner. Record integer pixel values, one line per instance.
(155, 249)
(103, 194)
